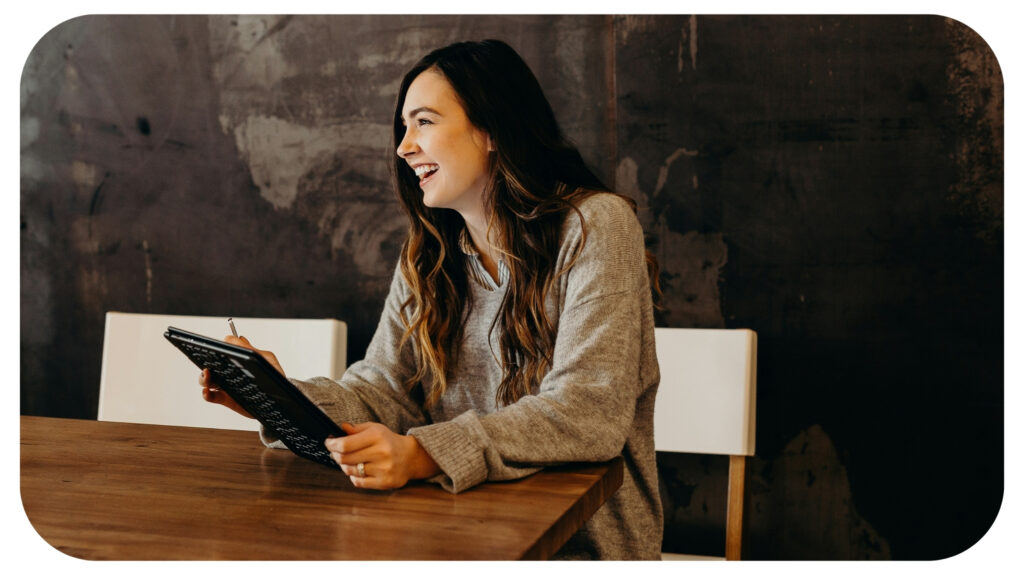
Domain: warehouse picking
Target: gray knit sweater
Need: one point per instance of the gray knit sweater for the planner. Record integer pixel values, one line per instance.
(596, 402)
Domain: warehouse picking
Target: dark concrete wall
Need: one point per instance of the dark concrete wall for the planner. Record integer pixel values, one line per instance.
(834, 183)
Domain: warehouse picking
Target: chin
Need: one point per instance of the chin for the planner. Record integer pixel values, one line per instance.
(431, 202)
(434, 200)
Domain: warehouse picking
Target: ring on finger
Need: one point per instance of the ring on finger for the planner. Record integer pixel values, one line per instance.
(361, 470)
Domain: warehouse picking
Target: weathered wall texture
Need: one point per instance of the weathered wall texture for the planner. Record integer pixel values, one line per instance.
(834, 183)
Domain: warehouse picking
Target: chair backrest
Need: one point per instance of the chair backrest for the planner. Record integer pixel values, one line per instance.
(145, 379)
(706, 398)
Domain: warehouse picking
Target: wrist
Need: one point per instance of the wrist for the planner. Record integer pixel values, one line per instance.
(423, 465)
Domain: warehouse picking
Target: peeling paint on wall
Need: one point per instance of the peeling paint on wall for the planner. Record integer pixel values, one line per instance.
(631, 25)
(32, 169)
(691, 270)
(809, 476)
(626, 183)
(663, 172)
(402, 50)
(81, 237)
(691, 263)
(92, 287)
(806, 479)
(85, 175)
(345, 225)
(29, 131)
(245, 52)
(572, 47)
(353, 211)
(688, 38)
(279, 152)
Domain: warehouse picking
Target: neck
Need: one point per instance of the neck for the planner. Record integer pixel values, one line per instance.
(476, 224)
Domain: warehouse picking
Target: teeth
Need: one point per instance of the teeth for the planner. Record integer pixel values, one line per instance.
(425, 169)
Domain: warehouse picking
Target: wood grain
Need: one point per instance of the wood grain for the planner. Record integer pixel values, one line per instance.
(734, 509)
(102, 490)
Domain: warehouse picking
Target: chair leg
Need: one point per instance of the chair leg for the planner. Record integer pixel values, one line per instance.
(734, 507)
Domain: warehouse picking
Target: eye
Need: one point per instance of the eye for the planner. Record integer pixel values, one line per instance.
(423, 122)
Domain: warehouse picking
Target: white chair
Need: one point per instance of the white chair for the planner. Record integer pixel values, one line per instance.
(145, 379)
(707, 404)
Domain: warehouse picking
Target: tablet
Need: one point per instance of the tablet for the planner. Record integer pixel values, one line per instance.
(266, 394)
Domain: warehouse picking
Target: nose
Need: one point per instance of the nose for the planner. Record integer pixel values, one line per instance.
(407, 147)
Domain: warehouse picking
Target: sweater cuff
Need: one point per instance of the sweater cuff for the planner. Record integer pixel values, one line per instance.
(270, 439)
(451, 445)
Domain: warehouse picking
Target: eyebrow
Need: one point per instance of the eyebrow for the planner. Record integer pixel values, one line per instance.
(413, 113)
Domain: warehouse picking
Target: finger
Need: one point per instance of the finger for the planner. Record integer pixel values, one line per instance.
(364, 456)
(351, 452)
(364, 482)
(208, 378)
(209, 383)
(352, 468)
(369, 482)
(239, 341)
(214, 395)
(357, 439)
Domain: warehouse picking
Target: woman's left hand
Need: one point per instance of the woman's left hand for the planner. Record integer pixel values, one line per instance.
(389, 460)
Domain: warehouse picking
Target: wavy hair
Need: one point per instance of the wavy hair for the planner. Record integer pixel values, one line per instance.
(537, 177)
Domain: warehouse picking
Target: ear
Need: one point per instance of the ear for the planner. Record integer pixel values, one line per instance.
(490, 144)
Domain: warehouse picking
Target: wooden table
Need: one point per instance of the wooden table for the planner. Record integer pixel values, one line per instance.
(102, 490)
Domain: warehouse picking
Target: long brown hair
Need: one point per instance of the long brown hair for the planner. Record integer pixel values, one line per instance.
(537, 178)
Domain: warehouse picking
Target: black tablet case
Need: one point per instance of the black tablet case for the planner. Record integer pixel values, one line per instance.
(266, 394)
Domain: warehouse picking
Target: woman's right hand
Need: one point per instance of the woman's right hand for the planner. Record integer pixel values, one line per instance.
(214, 394)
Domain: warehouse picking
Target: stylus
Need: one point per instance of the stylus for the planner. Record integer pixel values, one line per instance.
(232, 324)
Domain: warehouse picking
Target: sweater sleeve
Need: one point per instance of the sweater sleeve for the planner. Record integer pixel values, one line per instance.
(373, 388)
(584, 409)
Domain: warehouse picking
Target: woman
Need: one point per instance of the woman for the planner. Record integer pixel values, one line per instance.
(518, 332)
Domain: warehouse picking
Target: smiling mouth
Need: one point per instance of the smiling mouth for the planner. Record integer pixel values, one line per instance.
(426, 173)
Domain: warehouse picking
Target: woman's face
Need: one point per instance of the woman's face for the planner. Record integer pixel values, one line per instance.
(449, 154)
